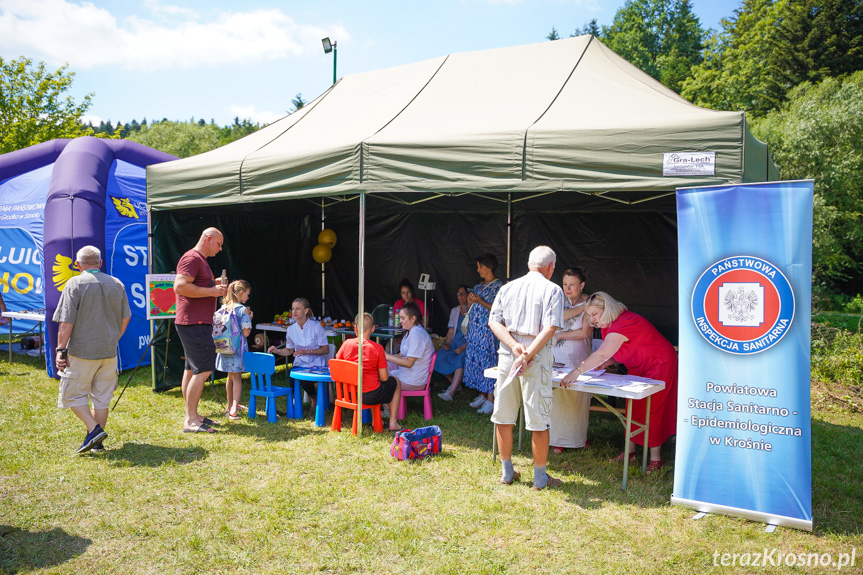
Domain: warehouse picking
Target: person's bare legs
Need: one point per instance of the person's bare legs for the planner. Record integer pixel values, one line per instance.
(187, 377)
(539, 446)
(504, 444)
(455, 379)
(85, 415)
(101, 416)
(192, 396)
(504, 441)
(233, 391)
(654, 451)
(394, 409)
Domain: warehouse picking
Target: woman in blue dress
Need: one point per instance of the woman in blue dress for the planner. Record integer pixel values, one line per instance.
(481, 350)
(450, 358)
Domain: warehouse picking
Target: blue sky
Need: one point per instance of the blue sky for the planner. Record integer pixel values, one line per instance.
(215, 59)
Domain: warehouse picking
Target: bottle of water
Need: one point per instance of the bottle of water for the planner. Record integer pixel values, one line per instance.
(390, 321)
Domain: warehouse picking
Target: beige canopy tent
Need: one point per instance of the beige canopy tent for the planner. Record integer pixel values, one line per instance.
(568, 115)
(565, 126)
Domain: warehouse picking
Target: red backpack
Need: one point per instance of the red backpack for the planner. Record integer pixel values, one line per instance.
(416, 444)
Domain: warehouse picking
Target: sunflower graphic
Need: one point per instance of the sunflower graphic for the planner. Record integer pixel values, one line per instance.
(63, 271)
(124, 207)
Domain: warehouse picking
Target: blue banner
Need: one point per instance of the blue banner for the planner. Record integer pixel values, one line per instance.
(126, 247)
(22, 205)
(745, 272)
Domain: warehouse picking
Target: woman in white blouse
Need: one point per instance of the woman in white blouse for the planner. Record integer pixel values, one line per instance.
(570, 410)
(411, 366)
(307, 342)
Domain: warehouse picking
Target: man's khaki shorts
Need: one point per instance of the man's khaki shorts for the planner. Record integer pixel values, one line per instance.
(532, 389)
(87, 379)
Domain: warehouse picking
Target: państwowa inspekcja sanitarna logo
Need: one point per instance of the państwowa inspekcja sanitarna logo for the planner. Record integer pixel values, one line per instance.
(742, 305)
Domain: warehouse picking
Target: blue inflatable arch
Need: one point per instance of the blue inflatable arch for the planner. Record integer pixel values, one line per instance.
(96, 196)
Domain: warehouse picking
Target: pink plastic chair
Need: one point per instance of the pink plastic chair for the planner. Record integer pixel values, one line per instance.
(425, 393)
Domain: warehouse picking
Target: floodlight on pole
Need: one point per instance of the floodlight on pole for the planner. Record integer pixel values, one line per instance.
(331, 47)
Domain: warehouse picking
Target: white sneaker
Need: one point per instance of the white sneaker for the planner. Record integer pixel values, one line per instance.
(486, 409)
(478, 401)
(446, 396)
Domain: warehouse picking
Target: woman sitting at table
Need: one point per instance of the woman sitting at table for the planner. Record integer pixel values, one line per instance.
(411, 366)
(307, 342)
(633, 341)
(570, 410)
(406, 288)
(450, 358)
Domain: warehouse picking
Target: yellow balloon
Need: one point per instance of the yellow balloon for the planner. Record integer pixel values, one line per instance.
(322, 253)
(327, 237)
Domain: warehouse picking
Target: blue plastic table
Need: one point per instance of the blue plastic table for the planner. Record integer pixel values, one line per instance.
(320, 375)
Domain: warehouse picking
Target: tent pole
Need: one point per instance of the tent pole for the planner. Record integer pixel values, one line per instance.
(362, 288)
(323, 266)
(508, 234)
(151, 322)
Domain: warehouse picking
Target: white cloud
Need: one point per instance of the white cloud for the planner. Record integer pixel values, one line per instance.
(158, 8)
(251, 113)
(92, 119)
(88, 37)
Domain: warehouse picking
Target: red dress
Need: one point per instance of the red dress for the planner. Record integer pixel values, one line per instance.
(648, 354)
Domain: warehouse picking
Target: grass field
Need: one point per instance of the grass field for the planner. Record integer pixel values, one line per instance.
(292, 498)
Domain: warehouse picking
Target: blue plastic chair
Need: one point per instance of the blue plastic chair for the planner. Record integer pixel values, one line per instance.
(261, 367)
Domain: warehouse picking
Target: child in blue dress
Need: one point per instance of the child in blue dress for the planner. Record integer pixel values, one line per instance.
(234, 302)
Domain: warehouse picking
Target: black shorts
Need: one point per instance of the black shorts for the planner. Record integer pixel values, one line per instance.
(383, 394)
(198, 347)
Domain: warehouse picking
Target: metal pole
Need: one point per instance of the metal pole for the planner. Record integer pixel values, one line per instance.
(509, 238)
(362, 288)
(335, 53)
(146, 290)
(323, 266)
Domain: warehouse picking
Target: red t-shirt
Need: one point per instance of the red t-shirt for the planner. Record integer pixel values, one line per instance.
(374, 358)
(400, 303)
(195, 310)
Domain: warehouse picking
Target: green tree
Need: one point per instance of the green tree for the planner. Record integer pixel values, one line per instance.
(770, 46)
(662, 37)
(182, 139)
(34, 107)
(553, 35)
(818, 133)
(298, 101)
(591, 28)
(237, 130)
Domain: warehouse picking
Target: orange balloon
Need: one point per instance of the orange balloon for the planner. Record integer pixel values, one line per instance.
(322, 253)
(327, 237)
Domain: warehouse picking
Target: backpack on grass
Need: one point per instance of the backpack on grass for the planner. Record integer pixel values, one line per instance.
(417, 444)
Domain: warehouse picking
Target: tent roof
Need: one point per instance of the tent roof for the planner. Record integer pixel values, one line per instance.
(566, 115)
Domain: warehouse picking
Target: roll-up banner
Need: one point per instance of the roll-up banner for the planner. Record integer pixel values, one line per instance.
(745, 270)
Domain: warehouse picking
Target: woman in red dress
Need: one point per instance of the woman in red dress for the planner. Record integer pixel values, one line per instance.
(631, 340)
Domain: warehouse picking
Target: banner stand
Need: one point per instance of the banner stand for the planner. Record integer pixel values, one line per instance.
(744, 436)
(768, 518)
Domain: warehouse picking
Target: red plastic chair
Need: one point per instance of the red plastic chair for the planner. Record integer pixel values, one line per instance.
(344, 376)
(425, 393)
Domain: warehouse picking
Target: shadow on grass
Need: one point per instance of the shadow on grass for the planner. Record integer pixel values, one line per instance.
(147, 455)
(22, 550)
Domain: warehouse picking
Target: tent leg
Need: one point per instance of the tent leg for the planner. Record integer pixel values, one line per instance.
(361, 309)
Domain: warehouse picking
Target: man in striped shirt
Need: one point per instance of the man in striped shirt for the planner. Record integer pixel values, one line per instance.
(525, 314)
